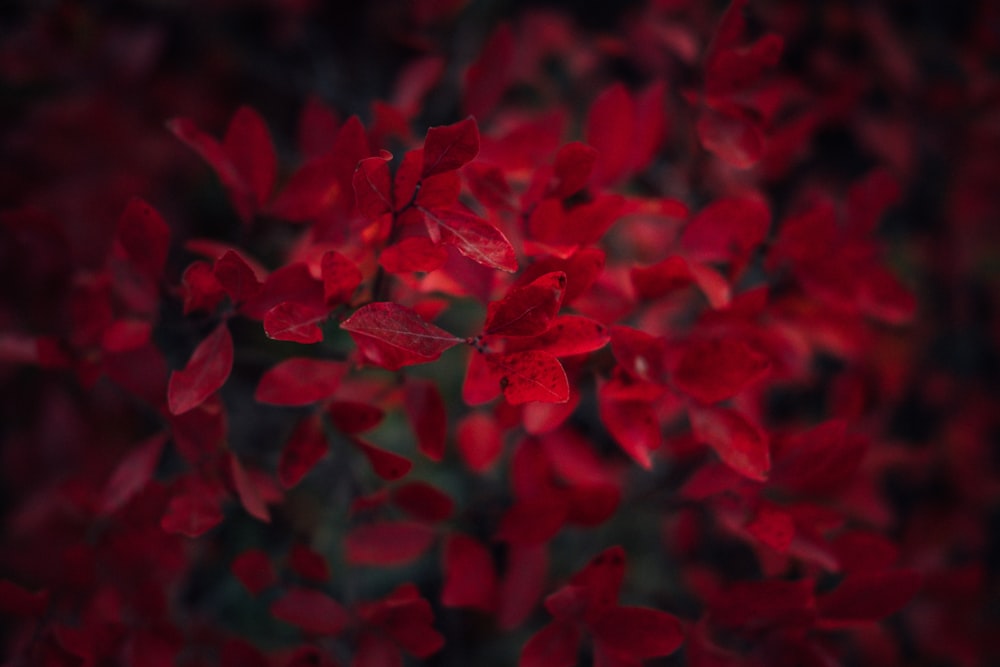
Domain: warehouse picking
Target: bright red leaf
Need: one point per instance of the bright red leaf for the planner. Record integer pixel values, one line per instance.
(294, 322)
(299, 381)
(448, 147)
(392, 336)
(741, 445)
(527, 310)
(529, 376)
(205, 373)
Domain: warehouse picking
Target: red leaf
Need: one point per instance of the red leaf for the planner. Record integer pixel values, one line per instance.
(392, 336)
(423, 501)
(414, 253)
(639, 354)
(200, 289)
(306, 446)
(555, 645)
(522, 584)
(865, 597)
(714, 370)
(144, 237)
(254, 570)
(294, 322)
(610, 129)
(480, 440)
(634, 426)
(530, 376)
(211, 151)
(569, 335)
(448, 147)
(308, 564)
(740, 444)
(572, 168)
(773, 527)
(527, 310)
(387, 465)
(601, 580)
(728, 230)
(21, 602)
(352, 417)
(470, 578)
(426, 411)
(192, 512)
(299, 381)
(376, 651)
(373, 187)
(246, 489)
(310, 191)
(732, 136)
(819, 460)
(313, 612)
(475, 238)
(132, 473)
(249, 147)
(439, 191)
(387, 543)
(341, 277)
(487, 78)
(532, 521)
(481, 383)
(637, 633)
(236, 277)
(205, 373)
(581, 225)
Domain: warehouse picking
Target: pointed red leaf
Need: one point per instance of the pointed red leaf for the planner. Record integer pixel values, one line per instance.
(192, 512)
(205, 373)
(426, 411)
(387, 465)
(214, 153)
(532, 521)
(373, 187)
(572, 168)
(237, 277)
(555, 645)
(740, 444)
(448, 147)
(530, 376)
(414, 253)
(637, 633)
(634, 426)
(144, 237)
(387, 543)
(569, 335)
(470, 578)
(254, 570)
(527, 310)
(246, 489)
(487, 78)
(249, 147)
(865, 597)
(602, 580)
(308, 564)
(480, 440)
(341, 277)
(352, 417)
(306, 446)
(522, 584)
(714, 370)
(610, 129)
(299, 381)
(439, 191)
(392, 336)
(773, 527)
(313, 612)
(423, 501)
(475, 238)
(132, 473)
(731, 135)
(200, 289)
(295, 322)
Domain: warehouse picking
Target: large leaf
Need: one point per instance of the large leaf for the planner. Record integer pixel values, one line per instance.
(527, 310)
(392, 336)
(474, 237)
(448, 147)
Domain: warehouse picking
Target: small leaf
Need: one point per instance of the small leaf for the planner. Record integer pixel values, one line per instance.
(313, 612)
(480, 440)
(387, 465)
(236, 277)
(192, 512)
(254, 570)
(637, 633)
(294, 322)
(448, 147)
(352, 417)
(865, 597)
(740, 444)
(144, 237)
(610, 130)
(414, 253)
(475, 238)
(426, 411)
(373, 187)
(470, 578)
(392, 336)
(132, 473)
(527, 310)
(248, 145)
(387, 543)
(555, 645)
(572, 168)
(714, 370)
(299, 381)
(569, 335)
(732, 136)
(341, 277)
(634, 426)
(306, 446)
(423, 501)
(530, 376)
(205, 373)
(246, 489)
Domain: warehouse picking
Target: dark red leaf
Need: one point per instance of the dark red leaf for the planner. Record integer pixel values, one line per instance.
(254, 570)
(132, 473)
(555, 645)
(601, 580)
(570, 335)
(731, 135)
(714, 370)
(572, 168)
(728, 230)
(740, 444)
(487, 78)
(200, 289)
(522, 584)
(249, 147)
(305, 448)
(308, 564)
(313, 612)
(387, 465)
(192, 512)
(480, 440)
(211, 151)
(205, 373)
(387, 543)
(414, 253)
(247, 490)
(392, 336)
(865, 597)
(532, 521)
(236, 277)
(633, 424)
(352, 417)
(773, 527)
(637, 633)
(439, 191)
(294, 322)
(341, 277)
(527, 310)
(530, 376)
(610, 129)
(373, 187)
(423, 501)
(426, 411)
(470, 578)
(475, 238)
(18, 601)
(300, 381)
(448, 147)
(144, 237)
